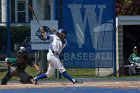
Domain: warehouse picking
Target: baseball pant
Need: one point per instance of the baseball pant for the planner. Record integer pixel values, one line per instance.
(54, 63)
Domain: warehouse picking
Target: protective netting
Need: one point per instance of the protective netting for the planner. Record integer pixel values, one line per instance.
(90, 40)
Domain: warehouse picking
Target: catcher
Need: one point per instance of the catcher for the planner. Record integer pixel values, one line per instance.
(17, 66)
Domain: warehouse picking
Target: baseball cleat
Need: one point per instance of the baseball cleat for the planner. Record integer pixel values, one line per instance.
(77, 82)
(3, 83)
(20, 80)
(34, 81)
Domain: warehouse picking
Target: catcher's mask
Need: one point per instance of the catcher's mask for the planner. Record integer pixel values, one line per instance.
(135, 48)
(22, 49)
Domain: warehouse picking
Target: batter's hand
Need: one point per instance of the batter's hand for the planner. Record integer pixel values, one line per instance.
(53, 29)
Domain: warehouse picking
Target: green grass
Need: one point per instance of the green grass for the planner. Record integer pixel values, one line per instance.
(82, 73)
(76, 73)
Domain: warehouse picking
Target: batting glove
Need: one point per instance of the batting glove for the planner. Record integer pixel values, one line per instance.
(39, 72)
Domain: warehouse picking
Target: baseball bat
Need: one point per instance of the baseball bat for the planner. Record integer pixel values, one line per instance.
(31, 9)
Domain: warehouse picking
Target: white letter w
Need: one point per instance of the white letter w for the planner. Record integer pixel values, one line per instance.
(89, 17)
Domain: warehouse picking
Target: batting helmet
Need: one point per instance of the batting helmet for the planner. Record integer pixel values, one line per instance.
(62, 31)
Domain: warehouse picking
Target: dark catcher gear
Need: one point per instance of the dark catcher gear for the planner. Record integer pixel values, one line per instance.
(16, 67)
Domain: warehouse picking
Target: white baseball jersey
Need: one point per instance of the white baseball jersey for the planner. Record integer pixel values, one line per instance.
(56, 45)
(55, 48)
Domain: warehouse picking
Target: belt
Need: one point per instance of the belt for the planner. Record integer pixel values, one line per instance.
(55, 53)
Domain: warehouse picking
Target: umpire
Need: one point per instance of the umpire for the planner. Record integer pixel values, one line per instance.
(17, 66)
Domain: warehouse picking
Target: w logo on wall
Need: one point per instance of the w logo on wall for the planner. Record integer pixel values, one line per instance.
(90, 25)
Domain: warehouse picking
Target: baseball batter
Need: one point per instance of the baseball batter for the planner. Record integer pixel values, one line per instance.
(57, 44)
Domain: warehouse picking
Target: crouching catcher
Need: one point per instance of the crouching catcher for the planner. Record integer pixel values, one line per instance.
(17, 66)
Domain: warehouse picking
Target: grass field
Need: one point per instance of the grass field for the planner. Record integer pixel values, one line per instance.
(77, 73)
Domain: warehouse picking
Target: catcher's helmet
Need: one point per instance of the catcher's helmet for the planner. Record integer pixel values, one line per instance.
(62, 31)
(22, 49)
(135, 47)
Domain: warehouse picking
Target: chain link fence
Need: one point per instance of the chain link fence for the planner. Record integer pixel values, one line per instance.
(18, 24)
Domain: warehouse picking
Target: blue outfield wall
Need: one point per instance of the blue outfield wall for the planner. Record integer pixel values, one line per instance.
(90, 25)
